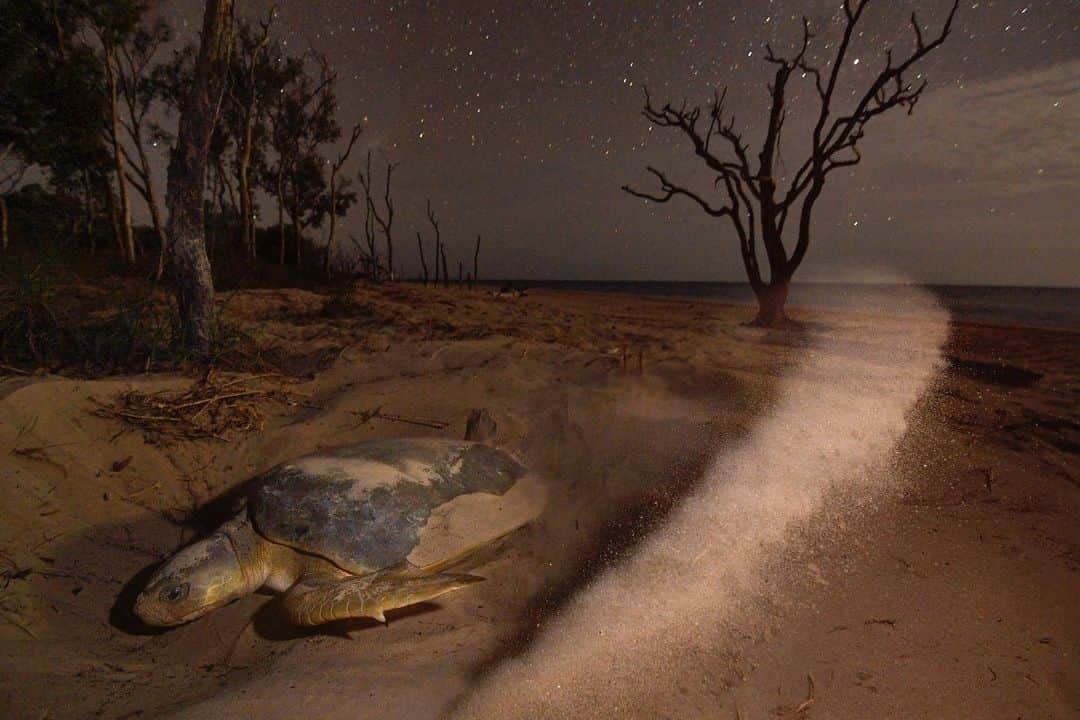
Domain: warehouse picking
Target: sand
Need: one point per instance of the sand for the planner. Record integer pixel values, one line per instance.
(947, 592)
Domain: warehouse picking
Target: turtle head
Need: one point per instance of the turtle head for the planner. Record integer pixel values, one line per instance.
(200, 578)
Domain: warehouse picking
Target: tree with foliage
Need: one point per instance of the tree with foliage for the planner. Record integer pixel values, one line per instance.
(301, 120)
(51, 102)
(139, 93)
(754, 204)
(115, 25)
(253, 86)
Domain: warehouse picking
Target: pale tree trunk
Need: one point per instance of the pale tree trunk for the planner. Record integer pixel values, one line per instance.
(127, 234)
(243, 164)
(187, 173)
(247, 207)
(149, 193)
(114, 216)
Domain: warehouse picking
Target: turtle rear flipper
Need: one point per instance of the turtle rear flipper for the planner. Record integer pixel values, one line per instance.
(316, 599)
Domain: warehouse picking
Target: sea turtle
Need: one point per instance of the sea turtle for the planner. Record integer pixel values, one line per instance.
(352, 532)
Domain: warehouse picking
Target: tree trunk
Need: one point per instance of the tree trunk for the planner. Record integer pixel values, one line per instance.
(281, 213)
(445, 272)
(389, 258)
(91, 213)
(436, 283)
(476, 262)
(4, 223)
(152, 205)
(187, 173)
(327, 267)
(243, 173)
(423, 262)
(298, 232)
(111, 204)
(127, 234)
(771, 299)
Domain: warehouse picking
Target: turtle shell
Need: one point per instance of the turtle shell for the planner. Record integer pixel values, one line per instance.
(365, 506)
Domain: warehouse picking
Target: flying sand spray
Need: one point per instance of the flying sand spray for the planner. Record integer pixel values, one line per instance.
(635, 642)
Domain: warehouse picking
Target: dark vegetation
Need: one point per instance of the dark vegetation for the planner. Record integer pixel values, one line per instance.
(94, 96)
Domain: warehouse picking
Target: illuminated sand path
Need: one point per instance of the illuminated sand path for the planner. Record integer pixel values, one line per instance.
(639, 639)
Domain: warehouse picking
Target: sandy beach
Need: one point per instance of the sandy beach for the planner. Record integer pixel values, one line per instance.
(940, 583)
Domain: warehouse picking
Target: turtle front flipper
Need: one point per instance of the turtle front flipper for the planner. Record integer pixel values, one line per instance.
(317, 598)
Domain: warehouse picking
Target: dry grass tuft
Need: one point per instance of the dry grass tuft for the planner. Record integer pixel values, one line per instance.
(209, 409)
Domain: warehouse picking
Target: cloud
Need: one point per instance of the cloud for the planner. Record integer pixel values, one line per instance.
(1019, 133)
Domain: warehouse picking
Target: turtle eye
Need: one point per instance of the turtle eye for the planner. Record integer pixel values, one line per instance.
(174, 593)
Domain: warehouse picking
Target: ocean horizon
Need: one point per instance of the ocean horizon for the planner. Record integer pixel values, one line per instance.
(1026, 306)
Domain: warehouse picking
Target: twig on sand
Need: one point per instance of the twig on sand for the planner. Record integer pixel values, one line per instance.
(9, 618)
(219, 398)
(422, 422)
(805, 705)
(363, 418)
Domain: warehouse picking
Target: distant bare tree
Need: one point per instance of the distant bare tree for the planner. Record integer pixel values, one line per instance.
(334, 170)
(187, 169)
(834, 145)
(438, 239)
(423, 262)
(445, 272)
(384, 219)
(476, 261)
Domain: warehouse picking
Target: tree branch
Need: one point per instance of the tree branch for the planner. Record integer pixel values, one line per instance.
(670, 190)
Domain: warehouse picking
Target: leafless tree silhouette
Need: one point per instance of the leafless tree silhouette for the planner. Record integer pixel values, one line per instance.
(753, 203)
(334, 187)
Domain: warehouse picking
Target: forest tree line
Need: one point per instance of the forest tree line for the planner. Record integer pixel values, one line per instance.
(90, 93)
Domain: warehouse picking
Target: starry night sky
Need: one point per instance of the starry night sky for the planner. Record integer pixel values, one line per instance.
(521, 120)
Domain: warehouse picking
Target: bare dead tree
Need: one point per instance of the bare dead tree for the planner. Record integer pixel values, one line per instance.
(445, 272)
(187, 169)
(438, 239)
(384, 219)
(387, 221)
(334, 170)
(476, 261)
(423, 261)
(753, 203)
